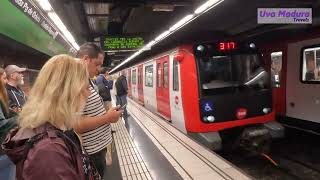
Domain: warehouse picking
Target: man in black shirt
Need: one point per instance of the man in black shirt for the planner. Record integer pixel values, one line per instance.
(122, 91)
(16, 96)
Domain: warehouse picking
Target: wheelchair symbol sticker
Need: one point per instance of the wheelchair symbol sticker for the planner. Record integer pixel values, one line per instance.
(207, 106)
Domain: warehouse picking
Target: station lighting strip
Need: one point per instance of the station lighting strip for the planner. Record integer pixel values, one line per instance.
(46, 6)
(184, 21)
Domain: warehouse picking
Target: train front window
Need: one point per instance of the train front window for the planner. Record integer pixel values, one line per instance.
(234, 70)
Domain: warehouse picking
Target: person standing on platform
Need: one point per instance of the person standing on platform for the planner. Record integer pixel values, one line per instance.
(122, 91)
(95, 127)
(105, 85)
(7, 122)
(45, 145)
(17, 97)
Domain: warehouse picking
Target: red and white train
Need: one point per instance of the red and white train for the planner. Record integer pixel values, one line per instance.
(207, 89)
(295, 63)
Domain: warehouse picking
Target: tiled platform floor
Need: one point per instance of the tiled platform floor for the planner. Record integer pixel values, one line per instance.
(138, 157)
(150, 148)
(131, 164)
(190, 159)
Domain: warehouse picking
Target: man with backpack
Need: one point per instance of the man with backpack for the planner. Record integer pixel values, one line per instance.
(105, 84)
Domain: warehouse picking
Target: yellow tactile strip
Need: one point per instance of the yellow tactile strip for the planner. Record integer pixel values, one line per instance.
(131, 164)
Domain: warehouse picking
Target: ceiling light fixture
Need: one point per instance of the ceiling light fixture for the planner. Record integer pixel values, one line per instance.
(57, 21)
(207, 5)
(162, 35)
(183, 21)
(46, 6)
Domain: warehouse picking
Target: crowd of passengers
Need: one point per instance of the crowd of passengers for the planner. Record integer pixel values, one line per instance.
(62, 129)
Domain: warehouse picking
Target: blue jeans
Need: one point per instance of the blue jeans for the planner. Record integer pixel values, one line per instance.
(7, 168)
(122, 100)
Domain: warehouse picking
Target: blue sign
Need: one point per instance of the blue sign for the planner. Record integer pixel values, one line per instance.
(207, 106)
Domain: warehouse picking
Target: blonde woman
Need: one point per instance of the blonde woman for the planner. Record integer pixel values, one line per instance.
(44, 146)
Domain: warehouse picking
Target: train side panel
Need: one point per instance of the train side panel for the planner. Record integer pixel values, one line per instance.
(177, 114)
(303, 100)
(189, 90)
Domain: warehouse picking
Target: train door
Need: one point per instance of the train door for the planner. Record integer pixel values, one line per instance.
(129, 82)
(149, 89)
(134, 84)
(275, 55)
(177, 116)
(277, 81)
(140, 84)
(163, 101)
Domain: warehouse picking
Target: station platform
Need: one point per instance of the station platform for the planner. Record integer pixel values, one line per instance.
(147, 147)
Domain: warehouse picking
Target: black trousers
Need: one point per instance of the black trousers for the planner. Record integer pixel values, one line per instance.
(99, 160)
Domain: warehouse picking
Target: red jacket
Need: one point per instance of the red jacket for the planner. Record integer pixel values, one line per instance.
(52, 155)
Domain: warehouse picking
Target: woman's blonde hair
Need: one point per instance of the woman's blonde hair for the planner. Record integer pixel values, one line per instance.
(3, 92)
(57, 95)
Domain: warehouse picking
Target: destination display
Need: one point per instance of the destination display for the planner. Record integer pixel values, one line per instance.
(122, 43)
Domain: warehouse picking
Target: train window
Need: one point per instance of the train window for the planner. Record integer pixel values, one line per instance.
(276, 66)
(165, 74)
(159, 75)
(141, 80)
(311, 65)
(175, 75)
(139, 77)
(134, 76)
(149, 76)
(233, 71)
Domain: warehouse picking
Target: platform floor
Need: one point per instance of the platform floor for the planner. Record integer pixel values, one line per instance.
(147, 147)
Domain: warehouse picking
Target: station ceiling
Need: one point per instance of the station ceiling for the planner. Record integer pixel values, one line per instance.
(88, 20)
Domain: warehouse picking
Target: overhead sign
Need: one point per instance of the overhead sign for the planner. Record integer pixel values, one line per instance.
(122, 43)
(16, 25)
(34, 13)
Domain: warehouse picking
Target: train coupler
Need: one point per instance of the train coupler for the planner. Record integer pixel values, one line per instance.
(255, 139)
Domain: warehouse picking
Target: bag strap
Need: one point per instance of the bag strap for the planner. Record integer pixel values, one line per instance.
(93, 172)
(30, 143)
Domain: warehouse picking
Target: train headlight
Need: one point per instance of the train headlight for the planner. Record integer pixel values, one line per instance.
(252, 45)
(200, 48)
(205, 119)
(266, 110)
(210, 118)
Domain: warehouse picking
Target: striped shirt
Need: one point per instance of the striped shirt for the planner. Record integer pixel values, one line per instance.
(97, 139)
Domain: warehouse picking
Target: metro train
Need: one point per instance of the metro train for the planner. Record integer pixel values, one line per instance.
(206, 89)
(295, 67)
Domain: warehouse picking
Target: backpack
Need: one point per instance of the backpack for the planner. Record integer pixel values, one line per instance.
(104, 92)
(120, 89)
(72, 142)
